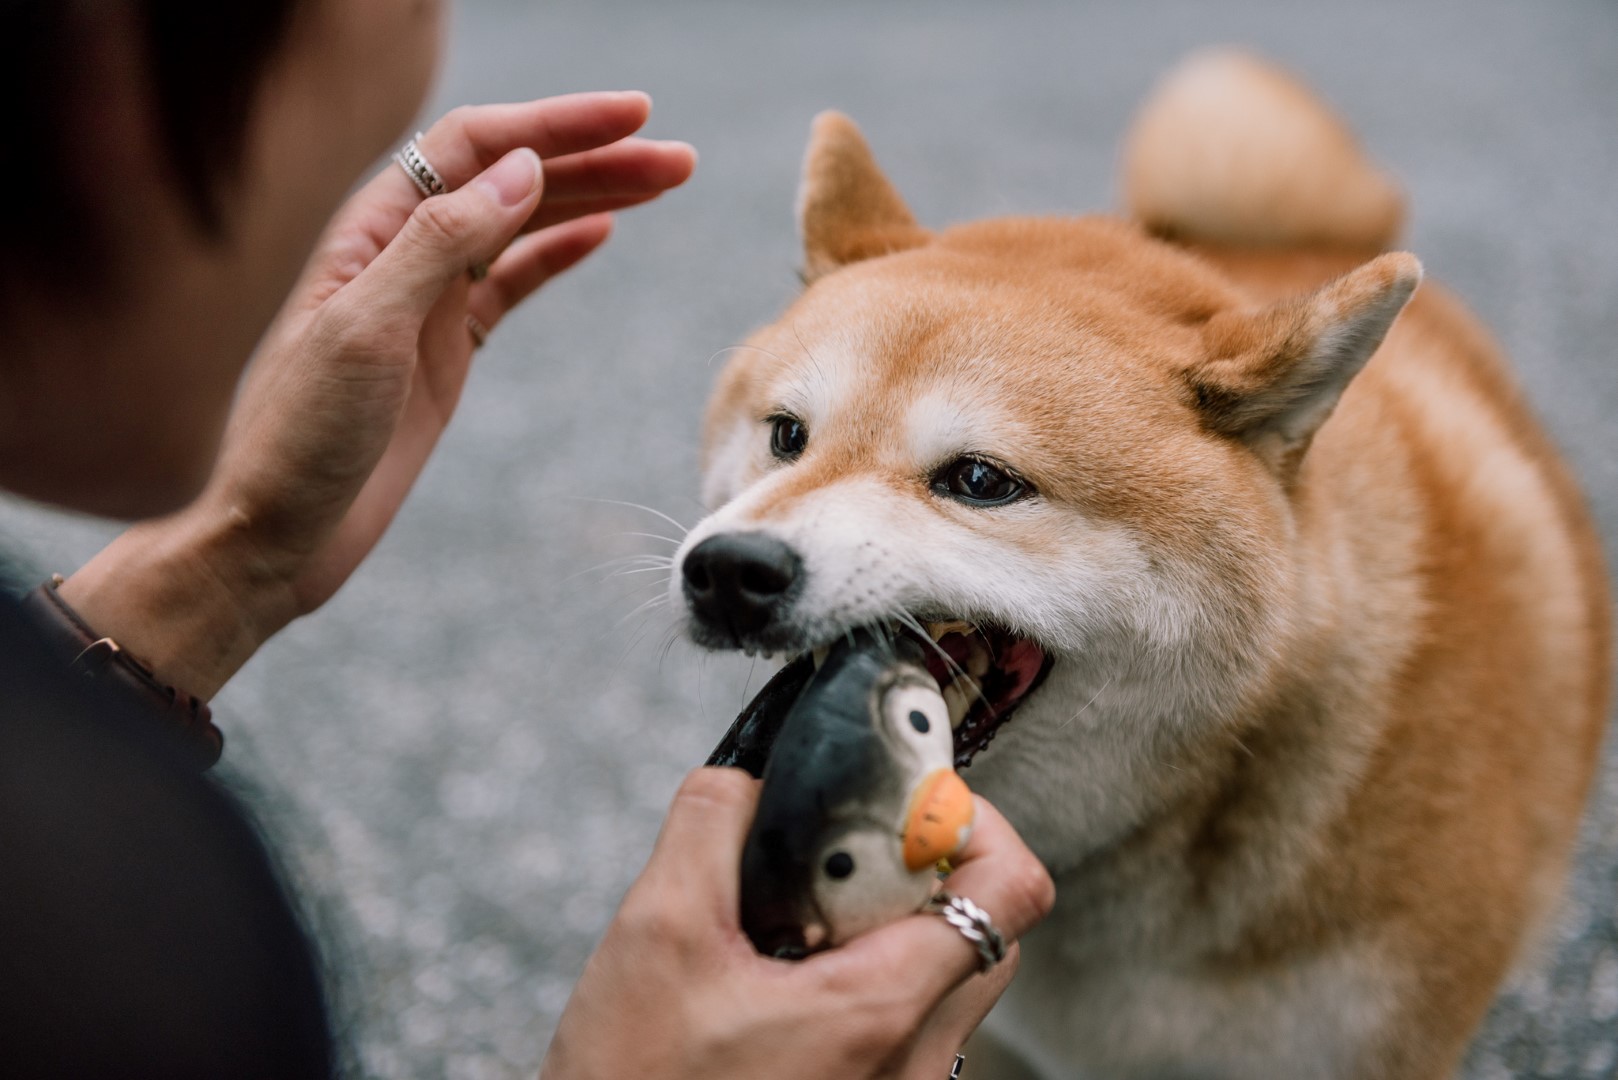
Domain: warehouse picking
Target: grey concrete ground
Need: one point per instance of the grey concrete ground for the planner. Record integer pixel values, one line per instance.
(470, 749)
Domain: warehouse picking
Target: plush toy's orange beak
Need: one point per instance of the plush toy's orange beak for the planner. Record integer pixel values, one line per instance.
(939, 821)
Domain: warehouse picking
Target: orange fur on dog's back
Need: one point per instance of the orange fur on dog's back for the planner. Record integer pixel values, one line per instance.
(1478, 778)
(1232, 150)
(1454, 843)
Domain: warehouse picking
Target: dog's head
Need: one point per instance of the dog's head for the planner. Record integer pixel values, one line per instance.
(1051, 445)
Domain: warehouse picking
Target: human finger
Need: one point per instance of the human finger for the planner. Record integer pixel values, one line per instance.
(551, 214)
(617, 177)
(443, 237)
(632, 166)
(950, 1025)
(467, 140)
(998, 873)
(698, 852)
(530, 262)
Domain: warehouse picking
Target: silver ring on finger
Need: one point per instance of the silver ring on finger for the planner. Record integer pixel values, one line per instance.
(955, 1070)
(974, 925)
(479, 332)
(420, 170)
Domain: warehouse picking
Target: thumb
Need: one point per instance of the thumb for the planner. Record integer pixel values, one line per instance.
(447, 234)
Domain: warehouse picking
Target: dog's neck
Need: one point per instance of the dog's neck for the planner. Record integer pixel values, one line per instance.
(1244, 806)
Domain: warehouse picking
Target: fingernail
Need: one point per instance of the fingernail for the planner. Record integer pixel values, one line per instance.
(514, 177)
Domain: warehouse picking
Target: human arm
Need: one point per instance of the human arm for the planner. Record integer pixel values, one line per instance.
(676, 990)
(361, 371)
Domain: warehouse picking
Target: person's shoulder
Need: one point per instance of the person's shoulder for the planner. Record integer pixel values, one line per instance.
(126, 868)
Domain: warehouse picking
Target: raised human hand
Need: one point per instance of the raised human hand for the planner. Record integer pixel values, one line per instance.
(380, 319)
(361, 371)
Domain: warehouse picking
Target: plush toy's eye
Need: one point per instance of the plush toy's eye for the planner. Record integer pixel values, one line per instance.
(839, 864)
(788, 436)
(979, 482)
(919, 721)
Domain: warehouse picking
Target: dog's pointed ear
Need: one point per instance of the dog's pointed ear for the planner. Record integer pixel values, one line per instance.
(1272, 377)
(847, 210)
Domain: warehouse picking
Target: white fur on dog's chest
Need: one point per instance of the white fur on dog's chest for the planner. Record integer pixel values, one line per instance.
(1128, 1019)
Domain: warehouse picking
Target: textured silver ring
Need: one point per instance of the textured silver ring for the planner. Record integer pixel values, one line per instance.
(419, 169)
(973, 924)
(479, 332)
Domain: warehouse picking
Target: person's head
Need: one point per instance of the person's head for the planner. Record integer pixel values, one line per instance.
(169, 172)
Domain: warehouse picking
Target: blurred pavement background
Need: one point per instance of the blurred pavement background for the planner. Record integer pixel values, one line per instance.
(470, 749)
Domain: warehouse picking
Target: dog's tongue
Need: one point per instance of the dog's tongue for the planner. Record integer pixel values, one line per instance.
(1026, 663)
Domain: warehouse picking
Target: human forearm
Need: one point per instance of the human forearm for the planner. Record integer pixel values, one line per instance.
(188, 595)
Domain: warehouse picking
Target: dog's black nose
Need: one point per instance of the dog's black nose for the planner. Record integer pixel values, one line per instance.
(737, 581)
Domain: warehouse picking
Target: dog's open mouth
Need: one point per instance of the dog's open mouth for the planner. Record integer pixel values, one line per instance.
(983, 672)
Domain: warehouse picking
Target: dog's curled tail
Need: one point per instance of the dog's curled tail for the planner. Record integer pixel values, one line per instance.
(1229, 149)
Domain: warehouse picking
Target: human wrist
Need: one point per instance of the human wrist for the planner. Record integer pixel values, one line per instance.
(191, 595)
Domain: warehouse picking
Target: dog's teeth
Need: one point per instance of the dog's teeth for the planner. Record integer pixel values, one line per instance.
(978, 659)
(959, 700)
(820, 655)
(952, 626)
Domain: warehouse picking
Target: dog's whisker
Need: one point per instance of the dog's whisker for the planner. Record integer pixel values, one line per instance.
(884, 628)
(671, 638)
(820, 372)
(702, 704)
(659, 561)
(655, 536)
(623, 655)
(743, 345)
(643, 610)
(641, 588)
(654, 602)
(747, 684)
(913, 623)
(1086, 708)
(641, 570)
(632, 506)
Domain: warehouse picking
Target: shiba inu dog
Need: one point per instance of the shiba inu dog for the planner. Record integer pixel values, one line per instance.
(1287, 624)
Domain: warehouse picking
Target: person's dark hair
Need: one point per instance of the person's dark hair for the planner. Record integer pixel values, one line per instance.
(206, 62)
(204, 65)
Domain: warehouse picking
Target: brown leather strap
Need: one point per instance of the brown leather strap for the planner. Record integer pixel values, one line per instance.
(82, 650)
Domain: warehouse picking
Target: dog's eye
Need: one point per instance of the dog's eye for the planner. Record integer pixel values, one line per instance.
(788, 437)
(973, 480)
